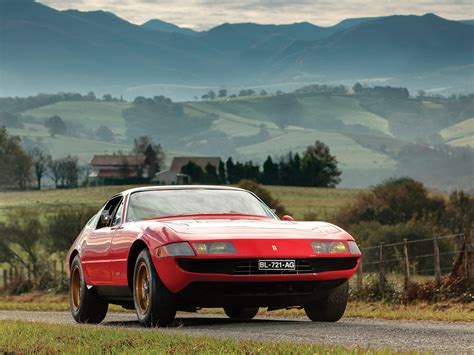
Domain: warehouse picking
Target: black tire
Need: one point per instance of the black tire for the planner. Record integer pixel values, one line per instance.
(241, 313)
(330, 308)
(160, 308)
(85, 305)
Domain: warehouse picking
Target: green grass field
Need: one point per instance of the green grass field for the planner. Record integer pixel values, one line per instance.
(89, 114)
(298, 200)
(458, 131)
(29, 337)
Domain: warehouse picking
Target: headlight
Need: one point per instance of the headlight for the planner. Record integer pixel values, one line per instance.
(329, 247)
(353, 247)
(215, 248)
(175, 249)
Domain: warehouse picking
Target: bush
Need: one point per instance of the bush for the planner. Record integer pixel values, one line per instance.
(264, 195)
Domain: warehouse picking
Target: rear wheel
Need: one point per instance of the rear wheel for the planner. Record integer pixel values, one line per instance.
(330, 308)
(241, 313)
(85, 305)
(154, 303)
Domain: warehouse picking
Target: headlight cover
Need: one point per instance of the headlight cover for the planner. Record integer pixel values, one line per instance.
(175, 249)
(214, 248)
(329, 247)
(353, 247)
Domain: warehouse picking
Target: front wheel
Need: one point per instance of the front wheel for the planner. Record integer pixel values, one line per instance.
(154, 303)
(330, 308)
(85, 305)
(241, 313)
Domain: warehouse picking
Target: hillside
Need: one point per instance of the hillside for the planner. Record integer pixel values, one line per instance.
(373, 137)
(76, 51)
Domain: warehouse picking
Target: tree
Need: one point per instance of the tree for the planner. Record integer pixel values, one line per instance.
(263, 93)
(211, 173)
(222, 93)
(319, 167)
(55, 171)
(211, 95)
(21, 239)
(230, 167)
(15, 164)
(40, 161)
(10, 120)
(56, 125)
(107, 97)
(154, 155)
(91, 96)
(63, 227)
(194, 171)
(65, 172)
(104, 133)
(222, 173)
(357, 88)
(270, 174)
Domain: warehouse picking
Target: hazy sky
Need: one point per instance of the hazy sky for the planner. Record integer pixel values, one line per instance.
(203, 14)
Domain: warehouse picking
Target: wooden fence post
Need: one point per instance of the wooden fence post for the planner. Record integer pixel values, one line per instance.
(381, 271)
(437, 265)
(5, 278)
(359, 276)
(54, 269)
(15, 269)
(468, 257)
(406, 263)
(11, 275)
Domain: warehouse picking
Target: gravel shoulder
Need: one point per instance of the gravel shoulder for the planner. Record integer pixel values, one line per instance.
(395, 335)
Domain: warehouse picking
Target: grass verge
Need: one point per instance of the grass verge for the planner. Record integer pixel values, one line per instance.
(443, 311)
(28, 337)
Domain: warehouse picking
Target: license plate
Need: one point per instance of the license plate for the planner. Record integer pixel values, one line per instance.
(276, 265)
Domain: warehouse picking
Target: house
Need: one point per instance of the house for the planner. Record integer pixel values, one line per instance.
(169, 177)
(117, 168)
(174, 176)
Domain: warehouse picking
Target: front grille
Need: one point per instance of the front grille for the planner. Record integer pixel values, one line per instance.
(242, 267)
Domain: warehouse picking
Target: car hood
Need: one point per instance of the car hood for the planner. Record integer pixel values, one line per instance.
(203, 229)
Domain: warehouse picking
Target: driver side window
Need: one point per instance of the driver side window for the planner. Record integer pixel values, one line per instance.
(117, 220)
(108, 213)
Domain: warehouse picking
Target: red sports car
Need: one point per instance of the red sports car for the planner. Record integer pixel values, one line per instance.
(167, 248)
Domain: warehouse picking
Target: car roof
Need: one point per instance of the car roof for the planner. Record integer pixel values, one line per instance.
(180, 187)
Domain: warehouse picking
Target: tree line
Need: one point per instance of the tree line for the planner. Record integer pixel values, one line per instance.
(315, 167)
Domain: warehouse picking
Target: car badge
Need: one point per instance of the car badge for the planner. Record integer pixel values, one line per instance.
(274, 247)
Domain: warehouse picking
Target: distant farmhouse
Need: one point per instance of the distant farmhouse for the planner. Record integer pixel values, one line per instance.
(117, 169)
(174, 176)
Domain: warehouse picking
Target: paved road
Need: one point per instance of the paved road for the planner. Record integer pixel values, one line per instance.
(396, 335)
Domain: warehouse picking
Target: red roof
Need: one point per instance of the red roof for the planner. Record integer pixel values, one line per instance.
(116, 174)
(117, 160)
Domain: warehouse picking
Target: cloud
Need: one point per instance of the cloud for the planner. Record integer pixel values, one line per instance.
(203, 14)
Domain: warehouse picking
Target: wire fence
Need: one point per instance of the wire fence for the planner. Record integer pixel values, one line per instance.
(436, 256)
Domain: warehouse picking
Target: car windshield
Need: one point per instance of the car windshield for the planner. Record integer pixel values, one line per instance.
(164, 203)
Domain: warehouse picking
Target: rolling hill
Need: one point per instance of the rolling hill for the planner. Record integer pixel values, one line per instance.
(44, 49)
(367, 135)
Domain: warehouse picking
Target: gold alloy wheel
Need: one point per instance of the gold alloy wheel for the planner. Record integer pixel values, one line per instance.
(76, 287)
(142, 288)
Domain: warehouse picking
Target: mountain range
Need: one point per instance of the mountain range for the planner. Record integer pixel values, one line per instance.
(46, 50)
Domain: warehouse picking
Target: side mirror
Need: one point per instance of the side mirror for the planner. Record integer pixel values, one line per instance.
(104, 218)
(288, 218)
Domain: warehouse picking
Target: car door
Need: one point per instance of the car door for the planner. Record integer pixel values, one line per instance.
(95, 256)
